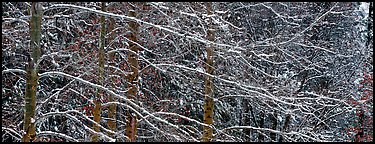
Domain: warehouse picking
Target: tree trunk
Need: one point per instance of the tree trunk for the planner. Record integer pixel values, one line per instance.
(288, 116)
(98, 100)
(209, 101)
(112, 107)
(360, 133)
(369, 25)
(131, 123)
(246, 117)
(285, 127)
(273, 118)
(261, 125)
(32, 72)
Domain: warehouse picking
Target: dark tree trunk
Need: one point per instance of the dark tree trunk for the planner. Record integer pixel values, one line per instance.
(273, 119)
(261, 125)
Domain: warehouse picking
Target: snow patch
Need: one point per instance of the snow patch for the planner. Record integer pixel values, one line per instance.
(200, 69)
(364, 7)
(358, 80)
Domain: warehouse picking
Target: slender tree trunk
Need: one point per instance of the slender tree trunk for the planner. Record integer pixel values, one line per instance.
(360, 133)
(369, 25)
(32, 72)
(261, 125)
(273, 118)
(209, 102)
(285, 127)
(100, 93)
(131, 123)
(246, 117)
(288, 116)
(249, 117)
(112, 107)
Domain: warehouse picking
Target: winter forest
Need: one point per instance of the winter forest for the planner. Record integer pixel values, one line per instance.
(187, 71)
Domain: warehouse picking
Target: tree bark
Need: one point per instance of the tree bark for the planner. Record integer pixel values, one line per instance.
(288, 116)
(209, 101)
(246, 117)
(369, 25)
(360, 134)
(32, 72)
(261, 125)
(273, 118)
(131, 123)
(100, 93)
(112, 107)
(285, 127)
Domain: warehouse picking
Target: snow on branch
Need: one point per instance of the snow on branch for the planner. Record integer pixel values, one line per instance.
(110, 92)
(301, 32)
(153, 116)
(108, 14)
(18, 135)
(243, 86)
(14, 71)
(66, 113)
(273, 131)
(45, 133)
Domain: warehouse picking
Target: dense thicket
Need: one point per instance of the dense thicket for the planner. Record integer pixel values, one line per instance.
(122, 71)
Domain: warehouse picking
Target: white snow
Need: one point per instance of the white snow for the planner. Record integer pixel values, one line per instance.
(358, 80)
(221, 12)
(365, 7)
(200, 69)
(279, 118)
(265, 55)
